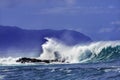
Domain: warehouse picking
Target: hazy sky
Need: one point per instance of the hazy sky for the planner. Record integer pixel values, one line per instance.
(99, 19)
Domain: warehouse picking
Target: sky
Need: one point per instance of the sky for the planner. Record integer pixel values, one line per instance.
(99, 19)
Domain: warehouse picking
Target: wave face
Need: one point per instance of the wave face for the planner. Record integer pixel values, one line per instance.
(82, 53)
(93, 52)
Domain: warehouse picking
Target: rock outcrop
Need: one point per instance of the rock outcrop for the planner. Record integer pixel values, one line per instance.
(33, 60)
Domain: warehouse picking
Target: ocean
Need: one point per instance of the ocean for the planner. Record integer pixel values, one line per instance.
(88, 71)
(91, 61)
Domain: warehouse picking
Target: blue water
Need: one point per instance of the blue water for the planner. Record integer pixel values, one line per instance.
(96, 61)
(84, 71)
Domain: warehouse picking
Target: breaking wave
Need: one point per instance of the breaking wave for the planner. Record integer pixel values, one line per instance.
(93, 52)
(81, 53)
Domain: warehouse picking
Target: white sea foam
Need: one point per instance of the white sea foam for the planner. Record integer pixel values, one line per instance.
(53, 49)
(8, 61)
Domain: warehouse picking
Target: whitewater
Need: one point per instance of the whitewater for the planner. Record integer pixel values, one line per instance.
(80, 53)
(91, 61)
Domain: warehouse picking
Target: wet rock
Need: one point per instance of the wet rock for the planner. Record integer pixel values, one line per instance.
(33, 60)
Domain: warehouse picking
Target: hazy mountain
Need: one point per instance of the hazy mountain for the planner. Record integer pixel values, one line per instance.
(15, 41)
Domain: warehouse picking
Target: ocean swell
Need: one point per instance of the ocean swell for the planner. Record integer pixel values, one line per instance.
(53, 49)
(93, 52)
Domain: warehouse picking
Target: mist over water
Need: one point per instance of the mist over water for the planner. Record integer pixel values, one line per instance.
(93, 61)
(92, 52)
(53, 49)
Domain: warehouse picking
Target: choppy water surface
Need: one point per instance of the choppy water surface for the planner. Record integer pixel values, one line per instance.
(94, 61)
(93, 71)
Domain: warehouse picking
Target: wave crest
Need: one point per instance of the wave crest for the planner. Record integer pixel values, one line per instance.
(93, 52)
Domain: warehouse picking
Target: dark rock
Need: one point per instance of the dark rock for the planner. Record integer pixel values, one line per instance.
(33, 60)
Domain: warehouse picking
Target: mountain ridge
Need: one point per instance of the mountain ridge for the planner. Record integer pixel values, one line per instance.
(15, 38)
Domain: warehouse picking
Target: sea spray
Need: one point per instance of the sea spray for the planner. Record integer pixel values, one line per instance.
(8, 61)
(53, 49)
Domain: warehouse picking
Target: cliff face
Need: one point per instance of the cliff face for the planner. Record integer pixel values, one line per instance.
(14, 39)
